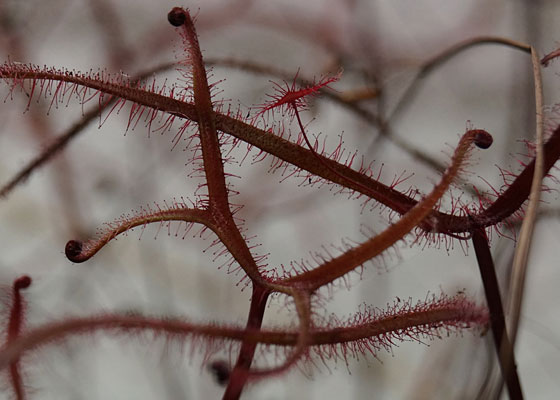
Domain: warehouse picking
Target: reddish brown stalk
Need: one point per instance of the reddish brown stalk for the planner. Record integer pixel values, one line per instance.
(353, 258)
(78, 251)
(516, 193)
(545, 61)
(503, 345)
(291, 100)
(60, 142)
(17, 316)
(303, 158)
(407, 319)
(222, 217)
(213, 165)
(363, 188)
(240, 373)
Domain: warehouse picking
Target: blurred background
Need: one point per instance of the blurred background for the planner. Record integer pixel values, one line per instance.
(110, 170)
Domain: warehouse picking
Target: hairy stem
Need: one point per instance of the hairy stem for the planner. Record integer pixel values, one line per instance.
(504, 206)
(453, 312)
(351, 259)
(61, 141)
(78, 251)
(226, 228)
(17, 315)
(240, 372)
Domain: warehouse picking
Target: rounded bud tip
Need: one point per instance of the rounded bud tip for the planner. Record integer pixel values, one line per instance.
(482, 139)
(73, 249)
(22, 282)
(176, 16)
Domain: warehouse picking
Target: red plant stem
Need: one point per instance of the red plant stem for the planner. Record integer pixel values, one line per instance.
(391, 324)
(351, 259)
(302, 300)
(516, 194)
(213, 165)
(17, 315)
(78, 251)
(453, 312)
(549, 57)
(364, 189)
(222, 218)
(18, 308)
(504, 348)
(219, 201)
(60, 142)
(240, 373)
(302, 157)
(16, 381)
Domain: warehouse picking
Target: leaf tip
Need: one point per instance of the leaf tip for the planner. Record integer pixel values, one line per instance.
(176, 16)
(73, 250)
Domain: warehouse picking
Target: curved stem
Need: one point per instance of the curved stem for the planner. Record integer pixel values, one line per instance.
(351, 259)
(78, 251)
(439, 59)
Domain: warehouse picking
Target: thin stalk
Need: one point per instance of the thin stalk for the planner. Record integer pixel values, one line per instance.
(504, 347)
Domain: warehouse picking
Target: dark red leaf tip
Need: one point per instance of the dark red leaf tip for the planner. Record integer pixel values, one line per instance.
(482, 139)
(176, 16)
(22, 282)
(221, 371)
(73, 249)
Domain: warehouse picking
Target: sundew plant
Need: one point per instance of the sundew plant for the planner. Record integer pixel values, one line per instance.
(312, 218)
